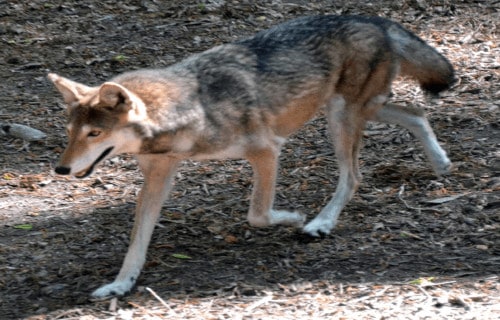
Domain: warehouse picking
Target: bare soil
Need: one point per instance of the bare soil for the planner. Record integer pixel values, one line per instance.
(408, 246)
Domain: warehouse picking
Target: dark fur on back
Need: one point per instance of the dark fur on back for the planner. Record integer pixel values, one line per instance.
(419, 60)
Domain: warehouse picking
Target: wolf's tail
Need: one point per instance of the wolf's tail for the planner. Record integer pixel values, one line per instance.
(419, 60)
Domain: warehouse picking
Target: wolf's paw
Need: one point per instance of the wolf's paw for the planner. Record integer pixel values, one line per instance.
(117, 288)
(294, 219)
(275, 217)
(443, 167)
(439, 160)
(319, 227)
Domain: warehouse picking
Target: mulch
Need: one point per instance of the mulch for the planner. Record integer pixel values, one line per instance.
(408, 246)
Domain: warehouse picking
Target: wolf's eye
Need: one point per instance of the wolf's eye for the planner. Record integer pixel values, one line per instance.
(94, 133)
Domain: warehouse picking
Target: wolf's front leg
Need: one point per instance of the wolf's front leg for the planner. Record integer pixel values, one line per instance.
(264, 164)
(159, 171)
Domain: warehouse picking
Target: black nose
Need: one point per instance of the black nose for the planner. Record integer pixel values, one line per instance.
(63, 170)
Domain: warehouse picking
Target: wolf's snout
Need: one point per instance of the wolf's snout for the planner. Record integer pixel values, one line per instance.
(63, 170)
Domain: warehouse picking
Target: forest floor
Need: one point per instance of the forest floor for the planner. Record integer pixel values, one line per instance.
(409, 245)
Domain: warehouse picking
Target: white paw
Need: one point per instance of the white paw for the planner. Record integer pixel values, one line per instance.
(117, 288)
(439, 159)
(319, 227)
(294, 219)
(443, 167)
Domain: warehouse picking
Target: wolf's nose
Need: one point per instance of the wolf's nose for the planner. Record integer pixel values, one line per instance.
(63, 170)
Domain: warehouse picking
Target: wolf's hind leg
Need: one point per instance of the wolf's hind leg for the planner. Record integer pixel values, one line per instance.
(345, 131)
(264, 164)
(415, 121)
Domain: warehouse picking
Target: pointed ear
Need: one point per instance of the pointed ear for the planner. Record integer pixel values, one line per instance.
(72, 92)
(113, 95)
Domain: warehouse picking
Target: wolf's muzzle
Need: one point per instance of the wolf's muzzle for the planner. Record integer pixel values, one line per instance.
(65, 170)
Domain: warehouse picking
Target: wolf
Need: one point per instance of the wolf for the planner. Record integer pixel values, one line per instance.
(242, 100)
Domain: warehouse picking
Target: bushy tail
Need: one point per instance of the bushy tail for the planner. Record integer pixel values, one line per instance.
(421, 61)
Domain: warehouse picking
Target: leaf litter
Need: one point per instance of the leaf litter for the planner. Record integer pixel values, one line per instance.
(408, 246)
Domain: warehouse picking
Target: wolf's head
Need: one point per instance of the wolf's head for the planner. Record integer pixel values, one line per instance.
(100, 124)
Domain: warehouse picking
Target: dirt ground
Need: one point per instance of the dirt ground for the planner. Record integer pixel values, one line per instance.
(408, 246)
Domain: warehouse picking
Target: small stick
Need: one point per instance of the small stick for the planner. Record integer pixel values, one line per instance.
(160, 299)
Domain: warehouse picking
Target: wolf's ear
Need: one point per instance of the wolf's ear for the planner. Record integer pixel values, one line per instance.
(113, 95)
(72, 92)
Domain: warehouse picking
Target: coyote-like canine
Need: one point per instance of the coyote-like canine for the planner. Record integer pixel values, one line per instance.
(241, 100)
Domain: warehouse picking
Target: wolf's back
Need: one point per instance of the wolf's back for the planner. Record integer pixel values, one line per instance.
(419, 60)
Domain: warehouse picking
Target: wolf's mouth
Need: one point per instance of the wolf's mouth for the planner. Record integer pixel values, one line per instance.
(88, 171)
